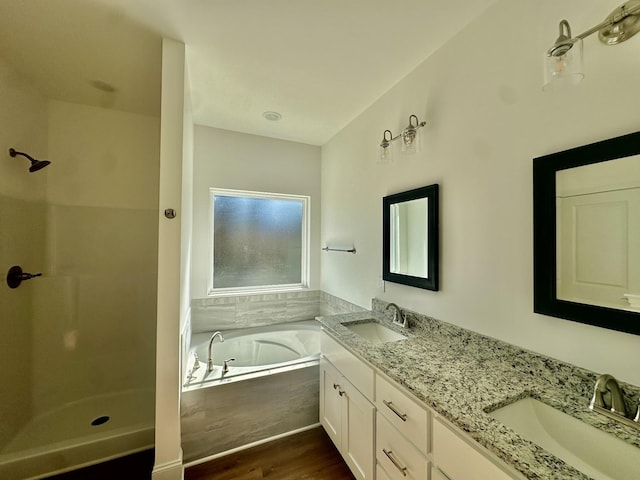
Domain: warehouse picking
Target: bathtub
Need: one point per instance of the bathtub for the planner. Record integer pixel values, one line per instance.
(81, 433)
(271, 389)
(257, 351)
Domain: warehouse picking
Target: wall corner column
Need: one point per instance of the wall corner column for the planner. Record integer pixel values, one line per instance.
(168, 452)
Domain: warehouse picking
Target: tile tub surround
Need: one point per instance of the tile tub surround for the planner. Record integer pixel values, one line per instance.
(238, 311)
(461, 375)
(332, 305)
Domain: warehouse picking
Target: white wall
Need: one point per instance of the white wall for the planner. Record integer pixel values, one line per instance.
(225, 159)
(487, 119)
(94, 308)
(23, 126)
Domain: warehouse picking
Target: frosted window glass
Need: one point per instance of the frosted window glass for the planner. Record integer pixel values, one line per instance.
(257, 242)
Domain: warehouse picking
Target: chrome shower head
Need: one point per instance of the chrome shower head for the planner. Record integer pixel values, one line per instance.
(35, 164)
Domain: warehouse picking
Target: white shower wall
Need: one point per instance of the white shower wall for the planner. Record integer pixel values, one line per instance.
(94, 309)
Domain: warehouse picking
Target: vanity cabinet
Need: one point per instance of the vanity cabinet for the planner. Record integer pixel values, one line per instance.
(346, 414)
(384, 433)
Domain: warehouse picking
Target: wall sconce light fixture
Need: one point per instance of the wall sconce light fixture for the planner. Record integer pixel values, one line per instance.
(409, 136)
(563, 61)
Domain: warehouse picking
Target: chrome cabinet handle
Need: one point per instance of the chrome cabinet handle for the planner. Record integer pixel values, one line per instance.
(402, 416)
(395, 462)
(337, 387)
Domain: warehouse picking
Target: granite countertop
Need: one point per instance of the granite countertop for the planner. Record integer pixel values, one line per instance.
(462, 375)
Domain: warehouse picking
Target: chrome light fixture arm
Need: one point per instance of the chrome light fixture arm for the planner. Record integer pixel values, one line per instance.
(617, 16)
(563, 61)
(387, 141)
(615, 19)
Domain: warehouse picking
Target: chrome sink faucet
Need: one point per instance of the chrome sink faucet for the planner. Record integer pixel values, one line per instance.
(398, 312)
(608, 399)
(210, 359)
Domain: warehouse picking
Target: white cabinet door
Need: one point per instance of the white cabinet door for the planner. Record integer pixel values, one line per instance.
(331, 402)
(349, 419)
(358, 420)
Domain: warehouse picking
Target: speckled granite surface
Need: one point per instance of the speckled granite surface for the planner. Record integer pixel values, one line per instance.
(462, 375)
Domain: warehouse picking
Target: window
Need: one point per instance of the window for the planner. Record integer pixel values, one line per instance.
(259, 241)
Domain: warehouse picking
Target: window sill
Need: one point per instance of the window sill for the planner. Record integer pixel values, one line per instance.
(233, 292)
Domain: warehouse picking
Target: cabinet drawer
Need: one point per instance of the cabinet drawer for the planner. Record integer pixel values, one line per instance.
(381, 474)
(459, 460)
(397, 456)
(354, 369)
(402, 412)
(437, 474)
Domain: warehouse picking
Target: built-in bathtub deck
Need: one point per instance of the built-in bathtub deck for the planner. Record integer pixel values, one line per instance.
(251, 403)
(215, 420)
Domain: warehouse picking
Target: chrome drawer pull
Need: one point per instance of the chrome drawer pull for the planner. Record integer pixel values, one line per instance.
(390, 456)
(402, 416)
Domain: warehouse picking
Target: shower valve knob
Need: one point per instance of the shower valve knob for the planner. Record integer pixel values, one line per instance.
(225, 367)
(16, 276)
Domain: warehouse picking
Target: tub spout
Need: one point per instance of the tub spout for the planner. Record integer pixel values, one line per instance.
(210, 359)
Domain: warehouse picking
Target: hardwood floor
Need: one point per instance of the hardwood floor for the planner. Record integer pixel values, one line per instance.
(308, 455)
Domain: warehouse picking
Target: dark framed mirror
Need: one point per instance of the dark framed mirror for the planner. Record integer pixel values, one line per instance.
(410, 238)
(586, 234)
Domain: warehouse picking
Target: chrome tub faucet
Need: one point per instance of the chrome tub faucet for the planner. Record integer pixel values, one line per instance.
(210, 359)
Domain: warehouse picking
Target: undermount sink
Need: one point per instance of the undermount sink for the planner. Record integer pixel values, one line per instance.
(595, 453)
(375, 332)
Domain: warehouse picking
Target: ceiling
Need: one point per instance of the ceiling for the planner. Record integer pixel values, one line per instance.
(318, 63)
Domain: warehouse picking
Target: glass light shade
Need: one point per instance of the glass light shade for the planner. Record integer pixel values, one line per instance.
(386, 149)
(410, 140)
(563, 68)
(386, 154)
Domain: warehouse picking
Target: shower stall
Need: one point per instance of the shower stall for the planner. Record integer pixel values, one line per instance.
(77, 334)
